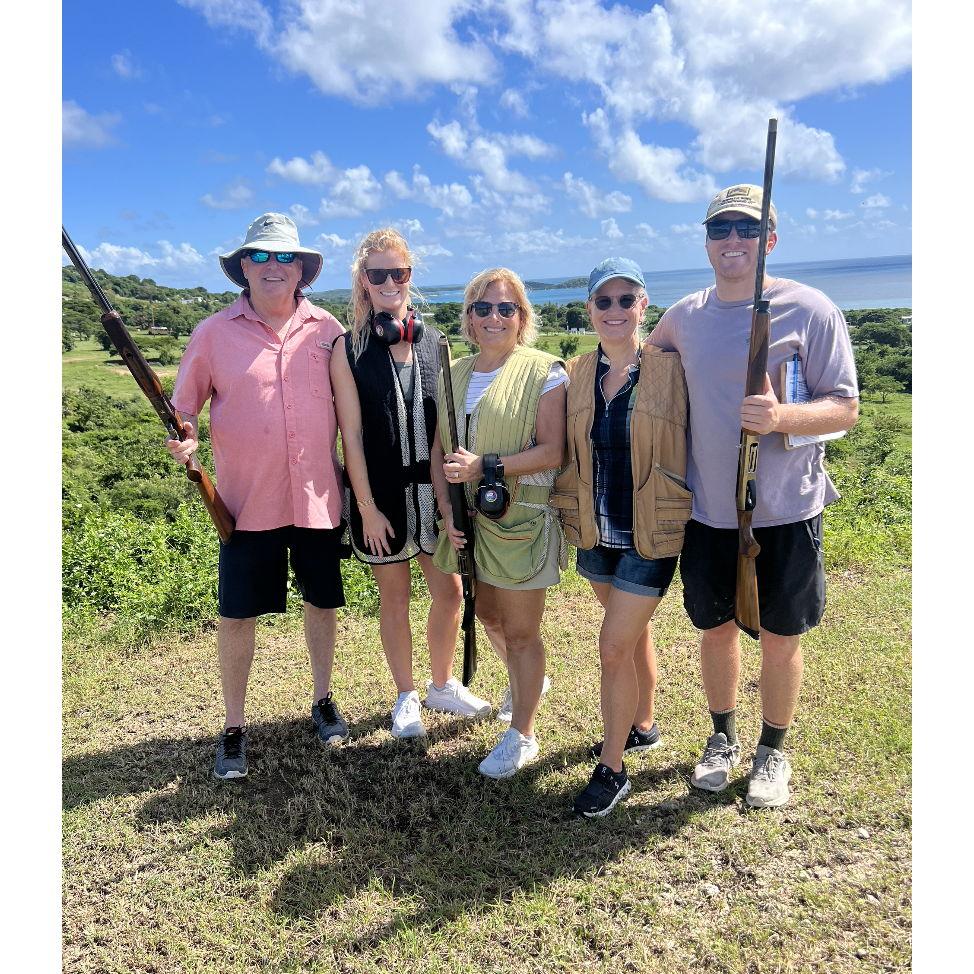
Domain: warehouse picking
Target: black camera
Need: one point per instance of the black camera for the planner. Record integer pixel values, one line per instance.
(493, 497)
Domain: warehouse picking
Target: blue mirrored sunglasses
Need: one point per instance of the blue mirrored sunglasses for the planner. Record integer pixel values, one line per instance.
(263, 256)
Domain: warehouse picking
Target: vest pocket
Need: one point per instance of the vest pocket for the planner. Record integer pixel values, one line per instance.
(515, 553)
(663, 506)
(567, 507)
(318, 377)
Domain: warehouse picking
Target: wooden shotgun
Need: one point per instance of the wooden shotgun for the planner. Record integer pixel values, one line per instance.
(747, 611)
(149, 383)
(463, 523)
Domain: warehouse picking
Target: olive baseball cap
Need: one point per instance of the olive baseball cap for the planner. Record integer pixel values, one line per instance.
(615, 267)
(743, 198)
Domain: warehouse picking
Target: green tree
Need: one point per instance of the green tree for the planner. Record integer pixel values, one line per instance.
(575, 316)
(568, 346)
(885, 385)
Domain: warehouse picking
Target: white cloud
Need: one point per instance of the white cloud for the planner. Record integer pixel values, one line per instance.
(409, 227)
(330, 241)
(514, 102)
(724, 70)
(486, 153)
(354, 192)
(361, 49)
(116, 259)
(592, 202)
(542, 240)
(860, 177)
(610, 229)
(431, 250)
(81, 129)
(316, 172)
(234, 197)
(837, 214)
(302, 216)
(686, 229)
(645, 231)
(449, 198)
(876, 201)
(660, 171)
(124, 66)
(812, 214)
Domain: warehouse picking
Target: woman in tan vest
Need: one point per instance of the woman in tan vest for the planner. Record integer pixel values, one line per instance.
(623, 501)
(510, 408)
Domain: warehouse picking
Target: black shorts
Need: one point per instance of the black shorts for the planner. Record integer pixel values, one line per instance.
(253, 570)
(790, 570)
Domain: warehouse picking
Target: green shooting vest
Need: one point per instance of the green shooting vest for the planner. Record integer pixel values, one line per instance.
(513, 549)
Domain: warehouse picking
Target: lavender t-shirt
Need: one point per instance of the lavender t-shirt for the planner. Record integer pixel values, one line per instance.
(712, 337)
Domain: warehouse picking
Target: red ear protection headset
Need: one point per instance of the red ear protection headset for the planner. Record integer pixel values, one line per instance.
(390, 330)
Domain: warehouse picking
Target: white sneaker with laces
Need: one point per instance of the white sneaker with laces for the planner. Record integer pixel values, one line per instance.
(506, 711)
(455, 698)
(770, 774)
(512, 752)
(406, 719)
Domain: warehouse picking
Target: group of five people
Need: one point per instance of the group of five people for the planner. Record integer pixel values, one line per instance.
(627, 452)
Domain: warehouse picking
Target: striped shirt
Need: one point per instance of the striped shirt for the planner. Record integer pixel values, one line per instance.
(612, 457)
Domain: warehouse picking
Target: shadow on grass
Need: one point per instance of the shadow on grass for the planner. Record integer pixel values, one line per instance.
(427, 831)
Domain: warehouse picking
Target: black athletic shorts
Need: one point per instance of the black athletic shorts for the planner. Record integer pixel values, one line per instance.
(790, 569)
(253, 570)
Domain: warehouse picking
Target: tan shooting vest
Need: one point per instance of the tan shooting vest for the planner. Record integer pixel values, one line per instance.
(661, 500)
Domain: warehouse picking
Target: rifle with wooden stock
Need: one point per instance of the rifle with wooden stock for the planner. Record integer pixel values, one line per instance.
(149, 383)
(463, 523)
(747, 611)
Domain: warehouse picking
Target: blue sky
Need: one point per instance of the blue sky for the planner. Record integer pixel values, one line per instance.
(541, 135)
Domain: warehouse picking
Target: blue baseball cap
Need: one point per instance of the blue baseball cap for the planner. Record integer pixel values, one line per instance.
(615, 267)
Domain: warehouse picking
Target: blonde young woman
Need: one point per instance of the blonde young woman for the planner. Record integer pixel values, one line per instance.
(510, 407)
(624, 504)
(384, 374)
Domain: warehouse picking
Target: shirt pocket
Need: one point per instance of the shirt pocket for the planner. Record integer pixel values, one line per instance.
(318, 377)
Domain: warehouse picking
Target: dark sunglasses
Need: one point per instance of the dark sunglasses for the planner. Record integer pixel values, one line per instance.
(626, 301)
(506, 309)
(379, 275)
(746, 229)
(263, 256)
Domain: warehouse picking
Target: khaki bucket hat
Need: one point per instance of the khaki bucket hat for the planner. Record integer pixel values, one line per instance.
(743, 198)
(278, 234)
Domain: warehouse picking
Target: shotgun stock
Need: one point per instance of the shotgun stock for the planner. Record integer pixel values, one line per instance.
(150, 385)
(463, 523)
(747, 610)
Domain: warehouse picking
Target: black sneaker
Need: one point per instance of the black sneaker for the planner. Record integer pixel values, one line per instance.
(330, 726)
(231, 754)
(638, 740)
(603, 791)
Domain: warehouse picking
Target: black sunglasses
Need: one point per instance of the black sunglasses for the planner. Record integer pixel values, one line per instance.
(263, 256)
(506, 309)
(746, 229)
(626, 301)
(379, 275)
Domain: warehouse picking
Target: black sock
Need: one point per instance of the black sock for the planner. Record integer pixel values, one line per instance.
(772, 736)
(724, 724)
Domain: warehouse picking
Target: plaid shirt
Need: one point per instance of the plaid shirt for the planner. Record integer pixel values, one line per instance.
(612, 458)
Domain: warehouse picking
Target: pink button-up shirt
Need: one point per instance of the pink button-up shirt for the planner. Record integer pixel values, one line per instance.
(272, 417)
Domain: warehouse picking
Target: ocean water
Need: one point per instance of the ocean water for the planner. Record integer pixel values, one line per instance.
(863, 282)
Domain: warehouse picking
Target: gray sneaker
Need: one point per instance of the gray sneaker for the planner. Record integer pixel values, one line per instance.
(231, 754)
(713, 771)
(330, 726)
(770, 774)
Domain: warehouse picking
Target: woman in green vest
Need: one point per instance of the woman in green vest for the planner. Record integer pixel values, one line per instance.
(384, 374)
(623, 501)
(509, 400)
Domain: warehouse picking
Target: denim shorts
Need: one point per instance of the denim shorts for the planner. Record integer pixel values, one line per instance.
(627, 570)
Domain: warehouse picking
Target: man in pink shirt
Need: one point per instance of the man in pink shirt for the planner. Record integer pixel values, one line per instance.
(263, 363)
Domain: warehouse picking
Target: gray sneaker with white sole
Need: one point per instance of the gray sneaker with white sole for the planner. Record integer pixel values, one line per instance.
(770, 774)
(713, 771)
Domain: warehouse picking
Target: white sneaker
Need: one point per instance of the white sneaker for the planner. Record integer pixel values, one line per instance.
(512, 752)
(455, 698)
(406, 719)
(507, 704)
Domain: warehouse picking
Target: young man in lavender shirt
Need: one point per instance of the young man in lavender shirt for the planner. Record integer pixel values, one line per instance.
(263, 365)
(711, 331)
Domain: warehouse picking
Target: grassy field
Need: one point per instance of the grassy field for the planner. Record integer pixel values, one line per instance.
(395, 856)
